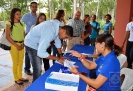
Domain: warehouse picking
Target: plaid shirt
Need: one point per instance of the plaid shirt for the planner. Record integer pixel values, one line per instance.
(78, 26)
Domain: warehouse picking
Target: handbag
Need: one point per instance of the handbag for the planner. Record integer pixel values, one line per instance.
(4, 43)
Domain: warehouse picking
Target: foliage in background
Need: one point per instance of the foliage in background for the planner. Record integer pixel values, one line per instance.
(52, 6)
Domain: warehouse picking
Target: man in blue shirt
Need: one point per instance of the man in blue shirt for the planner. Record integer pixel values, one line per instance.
(95, 30)
(29, 19)
(38, 40)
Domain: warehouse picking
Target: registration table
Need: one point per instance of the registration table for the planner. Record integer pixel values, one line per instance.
(39, 84)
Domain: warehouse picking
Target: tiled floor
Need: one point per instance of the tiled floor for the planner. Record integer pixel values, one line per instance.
(5, 68)
(6, 76)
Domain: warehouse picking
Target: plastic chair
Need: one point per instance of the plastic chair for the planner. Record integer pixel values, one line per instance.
(128, 81)
(131, 88)
(122, 59)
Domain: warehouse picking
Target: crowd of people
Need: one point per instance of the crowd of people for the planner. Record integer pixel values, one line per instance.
(41, 37)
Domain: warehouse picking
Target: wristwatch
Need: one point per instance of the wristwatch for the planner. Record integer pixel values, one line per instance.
(61, 54)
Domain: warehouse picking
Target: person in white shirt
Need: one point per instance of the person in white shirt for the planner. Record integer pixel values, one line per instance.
(38, 40)
(129, 46)
(41, 18)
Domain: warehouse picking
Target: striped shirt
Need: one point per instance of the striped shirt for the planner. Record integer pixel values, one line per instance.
(78, 26)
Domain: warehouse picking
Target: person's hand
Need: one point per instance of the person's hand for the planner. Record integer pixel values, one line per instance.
(61, 60)
(22, 46)
(75, 53)
(81, 42)
(74, 70)
(19, 47)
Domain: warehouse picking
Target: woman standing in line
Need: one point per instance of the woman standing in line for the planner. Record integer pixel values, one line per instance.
(60, 17)
(15, 35)
(88, 29)
(108, 25)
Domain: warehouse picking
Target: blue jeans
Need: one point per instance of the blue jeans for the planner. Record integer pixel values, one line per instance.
(27, 61)
(35, 61)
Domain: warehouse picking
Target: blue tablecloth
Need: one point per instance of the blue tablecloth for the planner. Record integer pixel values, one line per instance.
(39, 84)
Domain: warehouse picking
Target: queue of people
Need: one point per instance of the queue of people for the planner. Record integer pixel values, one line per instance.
(42, 35)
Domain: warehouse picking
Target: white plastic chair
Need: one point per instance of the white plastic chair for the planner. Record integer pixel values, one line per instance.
(128, 81)
(131, 88)
(122, 59)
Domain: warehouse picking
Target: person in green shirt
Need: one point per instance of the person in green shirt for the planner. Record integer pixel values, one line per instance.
(15, 35)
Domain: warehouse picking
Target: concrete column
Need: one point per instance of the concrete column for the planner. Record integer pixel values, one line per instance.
(124, 11)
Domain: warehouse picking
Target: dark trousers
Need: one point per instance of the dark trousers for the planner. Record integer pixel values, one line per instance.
(129, 53)
(55, 52)
(27, 61)
(92, 41)
(87, 41)
(46, 61)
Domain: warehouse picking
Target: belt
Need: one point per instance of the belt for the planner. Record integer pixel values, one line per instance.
(75, 36)
(19, 41)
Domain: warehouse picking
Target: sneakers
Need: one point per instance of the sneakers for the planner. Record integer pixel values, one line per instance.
(28, 72)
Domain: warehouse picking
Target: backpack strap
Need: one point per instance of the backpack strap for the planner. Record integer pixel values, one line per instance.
(96, 24)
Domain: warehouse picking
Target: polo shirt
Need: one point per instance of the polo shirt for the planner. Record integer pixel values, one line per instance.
(129, 28)
(109, 67)
(106, 27)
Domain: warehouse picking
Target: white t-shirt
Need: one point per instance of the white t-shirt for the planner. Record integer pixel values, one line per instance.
(130, 28)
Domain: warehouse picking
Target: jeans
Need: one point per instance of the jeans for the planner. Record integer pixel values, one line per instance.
(27, 61)
(35, 61)
(46, 61)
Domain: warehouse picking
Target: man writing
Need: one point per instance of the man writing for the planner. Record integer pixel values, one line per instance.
(38, 40)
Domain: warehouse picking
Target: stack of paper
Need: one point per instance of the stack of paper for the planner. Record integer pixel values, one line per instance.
(62, 82)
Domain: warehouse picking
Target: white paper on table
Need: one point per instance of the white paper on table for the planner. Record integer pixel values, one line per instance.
(67, 63)
(62, 82)
(86, 54)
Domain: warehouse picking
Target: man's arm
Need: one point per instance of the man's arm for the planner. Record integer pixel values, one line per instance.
(97, 27)
(125, 38)
(58, 45)
(127, 34)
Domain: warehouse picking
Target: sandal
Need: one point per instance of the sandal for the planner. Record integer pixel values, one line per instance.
(19, 82)
(24, 80)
